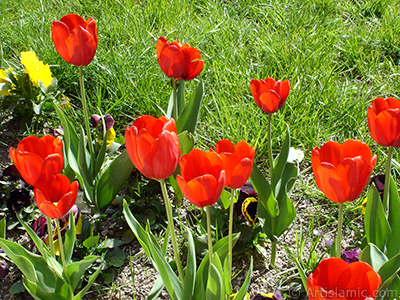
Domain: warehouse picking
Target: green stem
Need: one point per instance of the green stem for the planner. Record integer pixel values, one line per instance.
(271, 161)
(210, 251)
(175, 96)
(51, 241)
(387, 180)
(60, 243)
(230, 232)
(168, 208)
(85, 111)
(273, 253)
(339, 232)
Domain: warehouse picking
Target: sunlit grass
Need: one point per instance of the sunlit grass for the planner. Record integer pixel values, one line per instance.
(338, 56)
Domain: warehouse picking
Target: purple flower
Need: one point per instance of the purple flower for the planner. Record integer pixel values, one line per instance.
(379, 181)
(245, 191)
(18, 199)
(96, 120)
(351, 255)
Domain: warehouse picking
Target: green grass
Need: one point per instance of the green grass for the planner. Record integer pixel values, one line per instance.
(338, 57)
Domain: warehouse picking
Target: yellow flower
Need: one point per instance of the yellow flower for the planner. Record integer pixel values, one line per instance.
(110, 137)
(64, 102)
(35, 68)
(5, 83)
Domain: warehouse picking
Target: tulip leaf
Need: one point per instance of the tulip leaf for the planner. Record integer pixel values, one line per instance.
(39, 292)
(189, 282)
(3, 228)
(113, 179)
(373, 256)
(70, 238)
(34, 267)
(154, 252)
(190, 114)
(157, 288)
(70, 142)
(286, 215)
(394, 220)
(265, 195)
(186, 142)
(377, 229)
(76, 269)
(91, 280)
(214, 284)
(180, 94)
(243, 290)
(227, 280)
(390, 279)
(280, 163)
(44, 251)
(98, 163)
(221, 249)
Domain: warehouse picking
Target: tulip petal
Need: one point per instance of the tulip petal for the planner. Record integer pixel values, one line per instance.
(92, 28)
(270, 101)
(201, 191)
(330, 183)
(28, 164)
(59, 33)
(132, 147)
(195, 67)
(68, 199)
(73, 20)
(162, 158)
(224, 146)
(81, 46)
(240, 174)
(161, 43)
(52, 165)
(172, 62)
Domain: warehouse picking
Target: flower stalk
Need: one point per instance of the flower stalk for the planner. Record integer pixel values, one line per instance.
(60, 242)
(51, 241)
(387, 180)
(210, 250)
(85, 111)
(230, 253)
(168, 208)
(339, 232)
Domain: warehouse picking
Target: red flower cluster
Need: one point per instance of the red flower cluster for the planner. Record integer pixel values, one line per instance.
(40, 162)
(154, 149)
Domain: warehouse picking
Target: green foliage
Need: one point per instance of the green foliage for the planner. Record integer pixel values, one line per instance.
(44, 276)
(205, 282)
(275, 210)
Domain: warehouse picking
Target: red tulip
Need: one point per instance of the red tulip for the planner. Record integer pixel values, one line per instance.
(178, 61)
(269, 95)
(202, 177)
(342, 171)
(336, 280)
(153, 146)
(237, 160)
(38, 158)
(55, 196)
(384, 121)
(75, 39)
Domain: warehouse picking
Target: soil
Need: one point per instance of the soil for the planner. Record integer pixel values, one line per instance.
(265, 279)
